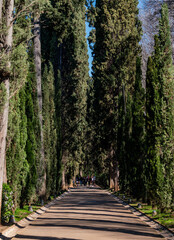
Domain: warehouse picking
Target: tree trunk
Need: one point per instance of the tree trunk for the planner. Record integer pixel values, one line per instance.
(116, 177)
(63, 180)
(81, 171)
(111, 184)
(4, 117)
(111, 170)
(3, 135)
(37, 58)
(71, 183)
(114, 172)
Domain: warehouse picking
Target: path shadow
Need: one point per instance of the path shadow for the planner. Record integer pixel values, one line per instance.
(42, 238)
(4, 238)
(98, 221)
(105, 229)
(92, 214)
(70, 207)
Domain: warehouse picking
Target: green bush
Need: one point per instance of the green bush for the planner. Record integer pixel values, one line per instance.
(2, 96)
(7, 203)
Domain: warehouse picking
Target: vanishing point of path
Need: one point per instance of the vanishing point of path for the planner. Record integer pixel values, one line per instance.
(88, 214)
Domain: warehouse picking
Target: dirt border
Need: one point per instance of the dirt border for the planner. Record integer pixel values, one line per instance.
(11, 231)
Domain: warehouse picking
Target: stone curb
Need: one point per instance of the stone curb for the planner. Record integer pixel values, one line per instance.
(166, 233)
(10, 232)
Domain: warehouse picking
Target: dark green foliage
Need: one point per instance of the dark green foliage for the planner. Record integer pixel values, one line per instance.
(50, 134)
(60, 17)
(160, 127)
(74, 76)
(17, 166)
(32, 143)
(118, 32)
(165, 75)
(94, 125)
(65, 47)
(33, 130)
(2, 97)
(64, 86)
(7, 203)
(127, 146)
(102, 180)
(31, 147)
(59, 132)
(90, 133)
(123, 168)
(137, 147)
(152, 136)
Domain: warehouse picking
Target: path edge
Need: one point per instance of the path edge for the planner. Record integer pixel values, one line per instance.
(11, 231)
(162, 230)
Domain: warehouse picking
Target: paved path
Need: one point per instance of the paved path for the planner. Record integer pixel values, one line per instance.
(88, 214)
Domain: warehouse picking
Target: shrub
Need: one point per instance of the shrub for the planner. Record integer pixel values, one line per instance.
(7, 203)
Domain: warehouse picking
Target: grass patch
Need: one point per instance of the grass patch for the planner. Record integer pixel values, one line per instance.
(22, 213)
(166, 219)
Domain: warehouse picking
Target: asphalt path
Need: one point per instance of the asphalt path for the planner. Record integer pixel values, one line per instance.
(88, 214)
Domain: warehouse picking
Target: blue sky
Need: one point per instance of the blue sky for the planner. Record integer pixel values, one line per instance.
(89, 50)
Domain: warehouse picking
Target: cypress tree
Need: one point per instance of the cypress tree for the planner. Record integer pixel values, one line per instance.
(123, 167)
(46, 127)
(159, 117)
(31, 147)
(117, 45)
(14, 56)
(74, 76)
(165, 75)
(137, 151)
(50, 135)
(37, 59)
(29, 191)
(58, 97)
(125, 144)
(17, 166)
(90, 134)
(153, 164)
(68, 55)
(52, 54)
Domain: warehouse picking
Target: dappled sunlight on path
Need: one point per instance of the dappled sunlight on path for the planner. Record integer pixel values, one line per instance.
(88, 213)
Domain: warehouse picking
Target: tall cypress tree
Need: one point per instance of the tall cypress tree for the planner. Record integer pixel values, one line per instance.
(137, 151)
(117, 45)
(165, 74)
(74, 76)
(90, 133)
(153, 166)
(68, 54)
(50, 136)
(58, 104)
(17, 166)
(159, 116)
(29, 190)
